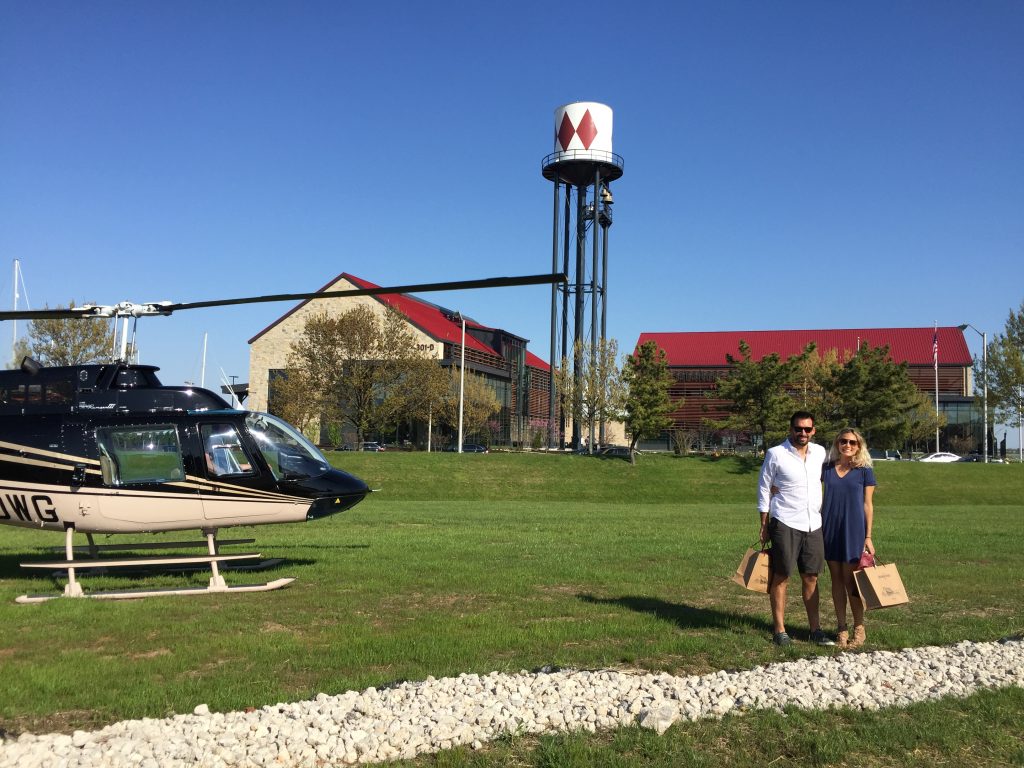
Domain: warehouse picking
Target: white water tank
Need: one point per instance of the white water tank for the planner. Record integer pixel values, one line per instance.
(583, 144)
(584, 130)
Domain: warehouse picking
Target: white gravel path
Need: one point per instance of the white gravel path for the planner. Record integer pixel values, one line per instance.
(411, 718)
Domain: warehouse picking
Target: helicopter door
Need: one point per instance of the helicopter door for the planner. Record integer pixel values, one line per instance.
(234, 477)
(142, 467)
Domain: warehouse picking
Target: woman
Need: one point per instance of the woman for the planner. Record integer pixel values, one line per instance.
(847, 515)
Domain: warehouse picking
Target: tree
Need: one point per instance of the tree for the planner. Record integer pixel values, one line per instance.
(597, 394)
(68, 342)
(876, 395)
(921, 419)
(421, 391)
(1006, 369)
(346, 368)
(759, 393)
(21, 351)
(647, 405)
(479, 403)
(813, 389)
(293, 399)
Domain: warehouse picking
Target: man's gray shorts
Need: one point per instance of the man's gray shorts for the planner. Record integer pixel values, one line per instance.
(795, 550)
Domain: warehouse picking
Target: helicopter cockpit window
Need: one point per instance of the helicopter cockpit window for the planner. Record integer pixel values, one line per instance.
(290, 455)
(132, 455)
(224, 452)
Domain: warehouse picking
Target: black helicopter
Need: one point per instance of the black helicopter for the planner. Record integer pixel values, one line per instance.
(108, 449)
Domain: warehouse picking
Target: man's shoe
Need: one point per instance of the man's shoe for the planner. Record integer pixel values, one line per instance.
(781, 638)
(818, 636)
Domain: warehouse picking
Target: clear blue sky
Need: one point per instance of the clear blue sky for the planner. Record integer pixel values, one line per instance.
(787, 164)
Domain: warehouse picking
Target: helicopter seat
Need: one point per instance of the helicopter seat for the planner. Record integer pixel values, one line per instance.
(222, 461)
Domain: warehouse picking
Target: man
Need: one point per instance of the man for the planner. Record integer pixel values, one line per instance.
(789, 501)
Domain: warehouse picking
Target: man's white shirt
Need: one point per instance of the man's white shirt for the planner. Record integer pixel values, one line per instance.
(798, 502)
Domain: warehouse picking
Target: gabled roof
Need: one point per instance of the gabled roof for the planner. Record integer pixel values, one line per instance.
(433, 320)
(910, 345)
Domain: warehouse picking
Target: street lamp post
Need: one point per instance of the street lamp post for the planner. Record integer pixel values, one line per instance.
(984, 399)
(462, 376)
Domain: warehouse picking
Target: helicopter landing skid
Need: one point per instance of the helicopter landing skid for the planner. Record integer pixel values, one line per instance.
(129, 594)
(217, 584)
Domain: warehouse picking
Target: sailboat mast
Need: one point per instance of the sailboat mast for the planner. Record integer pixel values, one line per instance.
(202, 374)
(14, 338)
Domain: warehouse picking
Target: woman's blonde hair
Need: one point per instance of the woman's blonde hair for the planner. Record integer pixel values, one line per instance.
(861, 459)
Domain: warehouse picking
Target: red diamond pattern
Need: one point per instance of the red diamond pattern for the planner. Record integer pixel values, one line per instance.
(586, 130)
(565, 132)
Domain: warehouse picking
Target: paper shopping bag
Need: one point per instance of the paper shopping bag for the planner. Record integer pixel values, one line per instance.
(880, 586)
(752, 572)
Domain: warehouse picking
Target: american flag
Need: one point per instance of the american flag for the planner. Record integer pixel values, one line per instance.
(935, 347)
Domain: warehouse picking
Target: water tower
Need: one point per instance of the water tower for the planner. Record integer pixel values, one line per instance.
(581, 167)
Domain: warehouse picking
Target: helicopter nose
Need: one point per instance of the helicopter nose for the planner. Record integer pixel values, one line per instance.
(336, 492)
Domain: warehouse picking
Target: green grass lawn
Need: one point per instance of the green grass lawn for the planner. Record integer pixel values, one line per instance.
(474, 563)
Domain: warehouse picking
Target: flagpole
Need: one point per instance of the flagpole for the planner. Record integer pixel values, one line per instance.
(935, 362)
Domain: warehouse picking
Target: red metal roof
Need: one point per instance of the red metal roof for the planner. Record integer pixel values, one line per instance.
(910, 345)
(535, 362)
(428, 317)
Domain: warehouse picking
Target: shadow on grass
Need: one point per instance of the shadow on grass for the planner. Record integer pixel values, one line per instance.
(152, 577)
(682, 615)
(329, 547)
(745, 465)
(10, 567)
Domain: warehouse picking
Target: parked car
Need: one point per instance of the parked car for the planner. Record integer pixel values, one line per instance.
(941, 457)
(979, 458)
(468, 448)
(614, 452)
(887, 454)
(371, 447)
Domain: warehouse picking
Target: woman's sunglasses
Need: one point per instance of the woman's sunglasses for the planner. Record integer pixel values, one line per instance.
(844, 441)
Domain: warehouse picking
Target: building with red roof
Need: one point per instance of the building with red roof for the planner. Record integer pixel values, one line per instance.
(519, 378)
(698, 359)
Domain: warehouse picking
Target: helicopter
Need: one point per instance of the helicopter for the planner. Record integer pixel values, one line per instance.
(107, 448)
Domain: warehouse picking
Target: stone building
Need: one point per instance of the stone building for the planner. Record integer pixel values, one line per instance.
(519, 378)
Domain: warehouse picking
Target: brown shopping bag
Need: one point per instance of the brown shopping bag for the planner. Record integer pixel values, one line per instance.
(752, 572)
(880, 586)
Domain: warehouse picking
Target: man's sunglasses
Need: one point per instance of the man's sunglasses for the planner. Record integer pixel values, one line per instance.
(803, 429)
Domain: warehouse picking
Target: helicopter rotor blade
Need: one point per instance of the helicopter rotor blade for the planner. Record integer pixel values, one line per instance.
(58, 313)
(455, 285)
(128, 309)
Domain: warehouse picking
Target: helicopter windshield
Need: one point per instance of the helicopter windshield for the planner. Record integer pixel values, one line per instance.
(290, 455)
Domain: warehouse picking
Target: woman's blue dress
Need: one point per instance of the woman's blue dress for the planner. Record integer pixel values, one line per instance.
(842, 514)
